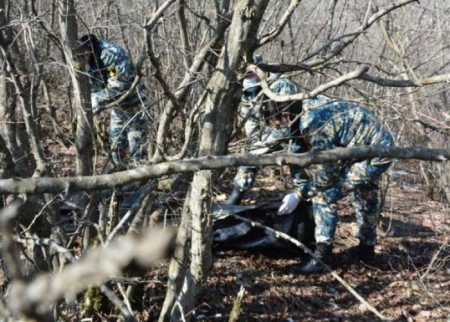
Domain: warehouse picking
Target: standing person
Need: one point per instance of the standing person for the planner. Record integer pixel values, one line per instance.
(326, 124)
(262, 137)
(112, 74)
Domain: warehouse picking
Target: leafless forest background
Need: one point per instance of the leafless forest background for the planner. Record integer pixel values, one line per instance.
(192, 55)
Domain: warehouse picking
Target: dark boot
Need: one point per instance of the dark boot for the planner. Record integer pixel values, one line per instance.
(366, 253)
(322, 252)
(235, 197)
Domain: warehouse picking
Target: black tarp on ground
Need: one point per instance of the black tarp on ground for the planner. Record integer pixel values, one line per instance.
(230, 232)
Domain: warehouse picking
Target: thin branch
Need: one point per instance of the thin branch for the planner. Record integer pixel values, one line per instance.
(52, 245)
(297, 243)
(127, 315)
(189, 128)
(432, 127)
(283, 21)
(158, 14)
(185, 85)
(130, 213)
(184, 34)
(329, 43)
(366, 24)
(302, 96)
(284, 68)
(158, 73)
(149, 25)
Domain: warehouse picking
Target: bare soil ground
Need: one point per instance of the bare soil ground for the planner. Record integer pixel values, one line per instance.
(409, 281)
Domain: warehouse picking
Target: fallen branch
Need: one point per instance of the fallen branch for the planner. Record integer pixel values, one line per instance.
(90, 183)
(284, 236)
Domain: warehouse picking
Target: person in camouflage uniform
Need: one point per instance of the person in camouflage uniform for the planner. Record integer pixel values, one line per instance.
(262, 137)
(327, 124)
(112, 74)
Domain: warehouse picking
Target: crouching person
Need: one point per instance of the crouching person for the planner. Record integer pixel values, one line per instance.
(327, 124)
(263, 138)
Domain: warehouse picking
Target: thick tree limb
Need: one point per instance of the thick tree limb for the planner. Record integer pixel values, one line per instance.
(406, 82)
(284, 68)
(301, 96)
(41, 185)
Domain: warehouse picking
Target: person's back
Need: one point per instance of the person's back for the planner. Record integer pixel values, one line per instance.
(327, 124)
(342, 124)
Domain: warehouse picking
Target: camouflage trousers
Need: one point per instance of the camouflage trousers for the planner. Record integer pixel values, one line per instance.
(361, 181)
(127, 128)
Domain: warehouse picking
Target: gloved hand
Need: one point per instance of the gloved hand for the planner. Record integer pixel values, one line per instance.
(290, 202)
(94, 104)
(259, 148)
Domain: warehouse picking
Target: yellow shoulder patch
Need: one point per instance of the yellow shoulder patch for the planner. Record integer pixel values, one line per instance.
(112, 71)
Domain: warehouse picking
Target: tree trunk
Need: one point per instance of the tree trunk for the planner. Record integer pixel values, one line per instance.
(6, 162)
(9, 128)
(193, 259)
(81, 90)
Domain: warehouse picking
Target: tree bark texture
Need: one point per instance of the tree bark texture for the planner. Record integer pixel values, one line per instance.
(220, 107)
(6, 162)
(15, 131)
(80, 82)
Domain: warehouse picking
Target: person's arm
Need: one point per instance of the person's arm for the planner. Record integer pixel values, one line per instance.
(121, 74)
(327, 174)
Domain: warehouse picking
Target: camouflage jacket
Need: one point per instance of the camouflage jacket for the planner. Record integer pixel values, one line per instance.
(121, 73)
(329, 124)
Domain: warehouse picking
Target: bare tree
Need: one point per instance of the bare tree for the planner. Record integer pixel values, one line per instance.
(388, 55)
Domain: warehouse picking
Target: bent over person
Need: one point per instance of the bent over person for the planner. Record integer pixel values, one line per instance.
(112, 74)
(327, 124)
(263, 137)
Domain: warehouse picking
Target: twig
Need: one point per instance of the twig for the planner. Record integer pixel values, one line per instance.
(52, 244)
(126, 300)
(435, 257)
(236, 311)
(177, 304)
(283, 21)
(284, 236)
(131, 212)
(423, 284)
(36, 217)
(127, 315)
